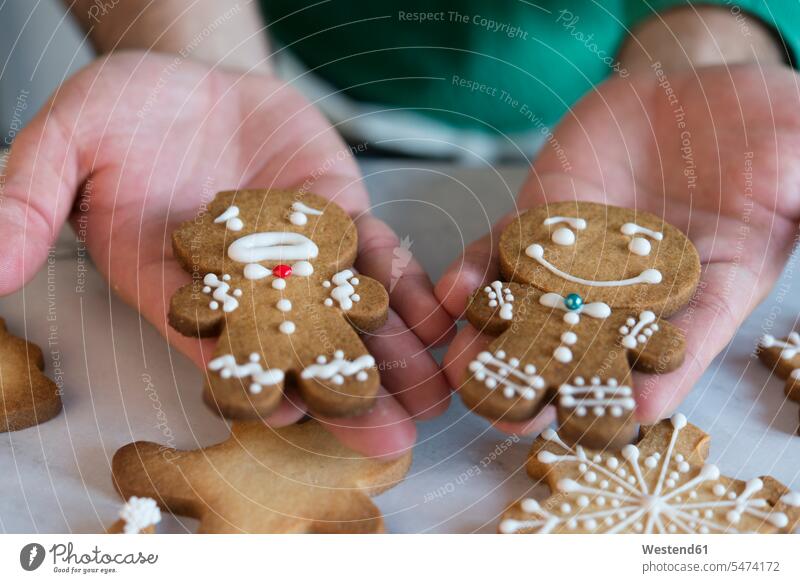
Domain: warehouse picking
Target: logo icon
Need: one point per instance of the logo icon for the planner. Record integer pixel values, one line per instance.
(31, 556)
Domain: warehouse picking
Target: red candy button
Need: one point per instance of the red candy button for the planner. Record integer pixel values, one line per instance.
(282, 271)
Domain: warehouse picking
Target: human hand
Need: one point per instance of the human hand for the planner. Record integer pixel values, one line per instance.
(149, 139)
(726, 178)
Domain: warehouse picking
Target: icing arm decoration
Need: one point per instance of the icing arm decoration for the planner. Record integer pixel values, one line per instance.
(228, 368)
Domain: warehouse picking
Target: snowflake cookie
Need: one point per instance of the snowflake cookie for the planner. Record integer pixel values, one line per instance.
(783, 357)
(660, 485)
(585, 292)
(263, 480)
(27, 396)
(273, 278)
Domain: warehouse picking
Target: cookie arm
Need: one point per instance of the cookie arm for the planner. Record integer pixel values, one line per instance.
(190, 314)
(151, 470)
(493, 307)
(654, 345)
(370, 312)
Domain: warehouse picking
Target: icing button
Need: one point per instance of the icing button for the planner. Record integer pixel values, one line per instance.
(282, 271)
(573, 302)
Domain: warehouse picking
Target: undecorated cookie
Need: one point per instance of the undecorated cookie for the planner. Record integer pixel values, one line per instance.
(27, 396)
(295, 479)
(137, 516)
(273, 278)
(660, 485)
(585, 292)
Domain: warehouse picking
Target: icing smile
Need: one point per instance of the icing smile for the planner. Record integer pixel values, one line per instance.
(650, 276)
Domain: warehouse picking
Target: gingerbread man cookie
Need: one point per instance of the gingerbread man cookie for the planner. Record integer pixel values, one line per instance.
(660, 485)
(137, 516)
(586, 289)
(27, 396)
(783, 357)
(273, 279)
(263, 480)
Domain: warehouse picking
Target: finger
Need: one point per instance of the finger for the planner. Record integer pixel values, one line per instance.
(408, 371)
(384, 257)
(385, 431)
(708, 327)
(42, 178)
(534, 426)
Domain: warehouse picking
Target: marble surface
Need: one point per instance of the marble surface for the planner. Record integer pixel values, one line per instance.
(122, 383)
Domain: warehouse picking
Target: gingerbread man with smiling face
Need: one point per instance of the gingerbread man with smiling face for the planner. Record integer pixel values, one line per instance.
(586, 291)
(273, 278)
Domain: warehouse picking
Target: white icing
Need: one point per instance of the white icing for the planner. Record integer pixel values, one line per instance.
(579, 224)
(231, 219)
(598, 310)
(649, 276)
(228, 368)
(569, 338)
(563, 236)
(254, 271)
(298, 217)
(639, 246)
(495, 372)
(279, 283)
(287, 327)
(302, 269)
(284, 305)
(562, 354)
(631, 229)
(637, 331)
(274, 246)
(791, 346)
(220, 288)
(611, 495)
(338, 368)
(791, 499)
(502, 297)
(596, 397)
(343, 292)
(139, 514)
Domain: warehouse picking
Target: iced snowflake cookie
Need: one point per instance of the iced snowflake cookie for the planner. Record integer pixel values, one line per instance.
(585, 291)
(137, 516)
(782, 355)
(27, 396)
(263, 480)
(273, 278)
(660, 485)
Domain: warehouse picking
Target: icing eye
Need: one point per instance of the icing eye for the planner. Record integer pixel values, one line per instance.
(563, 236)
(639, 246)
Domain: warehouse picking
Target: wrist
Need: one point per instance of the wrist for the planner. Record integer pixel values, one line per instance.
(692, 37)
(221, 33)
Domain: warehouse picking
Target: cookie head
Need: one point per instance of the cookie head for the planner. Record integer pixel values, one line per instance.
(622, 257)
(263, 235)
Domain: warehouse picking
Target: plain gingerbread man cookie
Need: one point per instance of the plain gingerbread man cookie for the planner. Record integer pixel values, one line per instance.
(272, 277)
(586, 289)
(297, 479)
(27, 396)
(660, 485)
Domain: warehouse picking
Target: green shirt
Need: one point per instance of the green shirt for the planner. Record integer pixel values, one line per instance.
(491, 65)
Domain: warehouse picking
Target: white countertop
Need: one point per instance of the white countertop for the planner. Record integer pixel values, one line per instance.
(120, 379)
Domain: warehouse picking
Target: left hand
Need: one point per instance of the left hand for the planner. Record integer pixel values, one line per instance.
(727, 179)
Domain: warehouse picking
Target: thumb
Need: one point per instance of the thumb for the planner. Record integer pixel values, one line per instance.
(478, 264)
(36, 195)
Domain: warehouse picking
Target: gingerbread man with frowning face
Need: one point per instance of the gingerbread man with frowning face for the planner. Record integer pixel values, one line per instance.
(273, 278)
(584, 299)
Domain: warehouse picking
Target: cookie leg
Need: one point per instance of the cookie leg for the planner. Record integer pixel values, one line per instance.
(146, 469)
